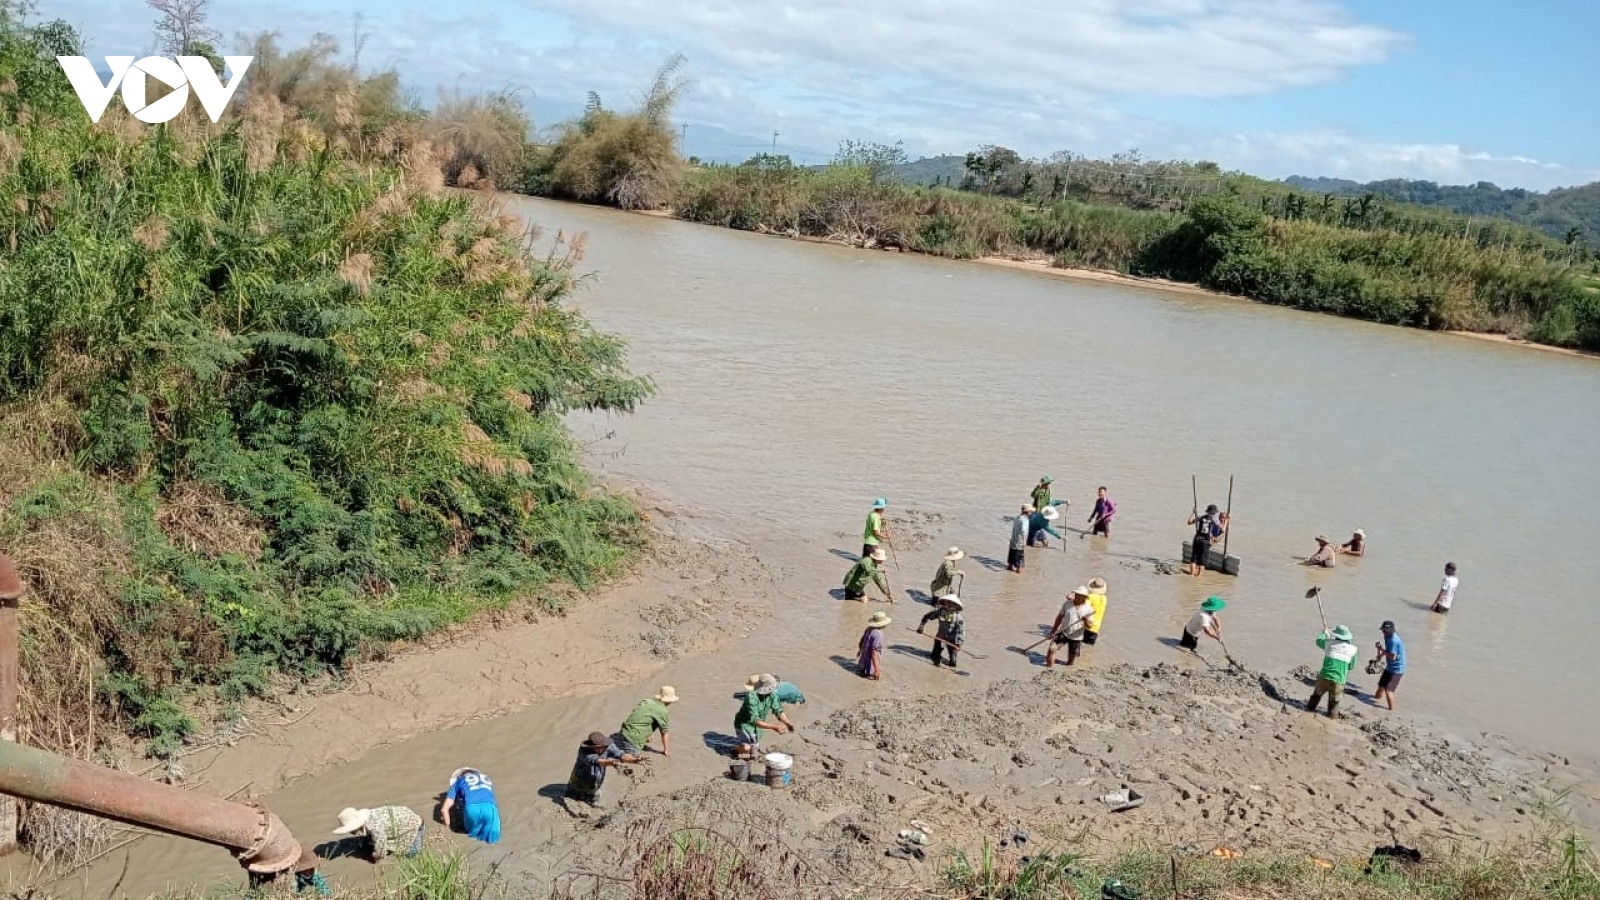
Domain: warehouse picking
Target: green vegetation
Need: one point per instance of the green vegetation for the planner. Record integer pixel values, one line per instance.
(269, 397)
(1358, 258)
(1571, 214)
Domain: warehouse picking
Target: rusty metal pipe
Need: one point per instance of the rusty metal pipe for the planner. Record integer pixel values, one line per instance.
(259, 839)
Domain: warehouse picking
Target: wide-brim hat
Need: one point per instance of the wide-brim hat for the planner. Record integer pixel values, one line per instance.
(1046, 480)
(1051, 513)
(352, 820)
(879, 619)
(765, 685)
(10, 581)
(951, 599)
(596, 740)
(880, 503)
(954, 553)
(1361, 533)
(878, 555)
(1322, 539)
(1213, 604)
(1080, 591)
(667, 694)
(1342, 633)
(1097, 585)
(750, 683)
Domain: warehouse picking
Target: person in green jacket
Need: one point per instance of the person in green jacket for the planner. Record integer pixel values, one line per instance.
(866, 569)
(1338, 656)
(1041, 493)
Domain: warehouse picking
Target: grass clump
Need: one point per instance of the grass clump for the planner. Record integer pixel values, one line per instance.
(267, 396)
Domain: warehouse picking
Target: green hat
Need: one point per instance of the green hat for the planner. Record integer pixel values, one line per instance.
(1047, 479)
(1341, 633)
(1213, 604)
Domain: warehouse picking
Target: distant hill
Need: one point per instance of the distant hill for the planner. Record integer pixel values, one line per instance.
(1555, 212)
(925, 170)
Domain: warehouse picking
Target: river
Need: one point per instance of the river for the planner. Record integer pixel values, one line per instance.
(798, 381)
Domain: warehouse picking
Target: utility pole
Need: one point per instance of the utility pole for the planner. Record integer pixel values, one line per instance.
(683, 133)
(774, 142)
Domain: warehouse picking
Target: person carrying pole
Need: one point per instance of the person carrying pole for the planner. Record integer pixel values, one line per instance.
(944, 580)
(1338, 656)
(866, 569)
(876, 530)
(1207, 528)
(1041, 493)
(1039, 525)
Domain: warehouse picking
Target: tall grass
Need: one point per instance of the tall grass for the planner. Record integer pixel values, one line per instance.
(268, 396)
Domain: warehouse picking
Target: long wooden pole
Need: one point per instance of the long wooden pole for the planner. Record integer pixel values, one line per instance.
(1230, 525)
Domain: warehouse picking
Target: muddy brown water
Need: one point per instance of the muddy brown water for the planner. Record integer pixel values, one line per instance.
(798, 381)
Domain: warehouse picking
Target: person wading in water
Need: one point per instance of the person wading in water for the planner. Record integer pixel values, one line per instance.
(1207, 528)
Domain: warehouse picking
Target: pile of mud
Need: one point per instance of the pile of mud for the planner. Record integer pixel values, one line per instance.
(1219, 761)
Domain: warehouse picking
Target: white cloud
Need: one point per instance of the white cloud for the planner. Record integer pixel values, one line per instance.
(941, 75)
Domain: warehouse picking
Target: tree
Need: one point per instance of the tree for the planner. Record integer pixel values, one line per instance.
(182, 26)
(880, 160)
(1572, 235)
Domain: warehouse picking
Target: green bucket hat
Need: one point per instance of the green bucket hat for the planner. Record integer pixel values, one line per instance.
(1341, 633)
(1213, 604)
(1046, 479)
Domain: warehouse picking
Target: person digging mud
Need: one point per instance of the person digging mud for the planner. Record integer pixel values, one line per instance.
(1041, 492)
(876, 531)
(1356, 546)
(1392, 651)
(647, 718)
(1097, 603)
(1325, 555)
(1100, 516)
(1070, 625)
(760, 711)
(866, 569)
(869, 651)
(384, 830)
(1015, 556)
(1203, 622)
(1039, 526)
(944, 580)
(480, 815)
(786, 692)
(1207, 528)
(1338, 655)
(952, 632)
(595, 755)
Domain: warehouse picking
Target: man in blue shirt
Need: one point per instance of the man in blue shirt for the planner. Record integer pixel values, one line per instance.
(480, 816)
(1392, 651)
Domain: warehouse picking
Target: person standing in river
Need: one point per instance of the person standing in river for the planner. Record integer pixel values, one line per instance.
(876, 531)
(1447, 589)
(952, 631)
(1207, 528)
(944, 580)
(1071, 623)
(1019, 540)
(1392, 651)
(1338, 656)
(649, 716)
(1204, 622)
(869, 650)
(1100, 516)
(1041, 493)
(866, 569)
(1039, 526)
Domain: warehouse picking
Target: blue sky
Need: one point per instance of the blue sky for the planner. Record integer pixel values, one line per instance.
(1450, 90)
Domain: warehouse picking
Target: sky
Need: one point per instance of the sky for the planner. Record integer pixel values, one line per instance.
(1454, 91)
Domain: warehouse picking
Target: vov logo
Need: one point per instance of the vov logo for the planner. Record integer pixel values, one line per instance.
(181, 75)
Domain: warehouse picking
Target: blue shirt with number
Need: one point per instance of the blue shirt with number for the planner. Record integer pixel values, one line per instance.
(472, 787)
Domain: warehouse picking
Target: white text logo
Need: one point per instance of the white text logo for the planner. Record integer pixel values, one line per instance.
(187, 72)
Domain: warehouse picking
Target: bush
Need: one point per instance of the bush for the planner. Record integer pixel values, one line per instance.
(303, 400)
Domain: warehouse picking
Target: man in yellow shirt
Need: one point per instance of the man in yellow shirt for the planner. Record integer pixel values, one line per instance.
(1097, 602)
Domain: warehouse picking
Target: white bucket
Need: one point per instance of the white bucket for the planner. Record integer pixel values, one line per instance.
(780, 761)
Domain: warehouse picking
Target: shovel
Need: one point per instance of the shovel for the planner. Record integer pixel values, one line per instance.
(1316, 593)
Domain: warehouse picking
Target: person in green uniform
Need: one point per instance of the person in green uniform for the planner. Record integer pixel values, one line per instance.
(647, 718)
(944, 580)
(786, 692)
(1338, 656)
(760, 711)
(1041, 493)
(876, 531)
(866, 569)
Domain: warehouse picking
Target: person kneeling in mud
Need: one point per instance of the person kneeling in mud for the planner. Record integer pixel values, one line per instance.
(760, 711)
(595, 756)
(480, 815)
(385, 830)
(952, 631)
